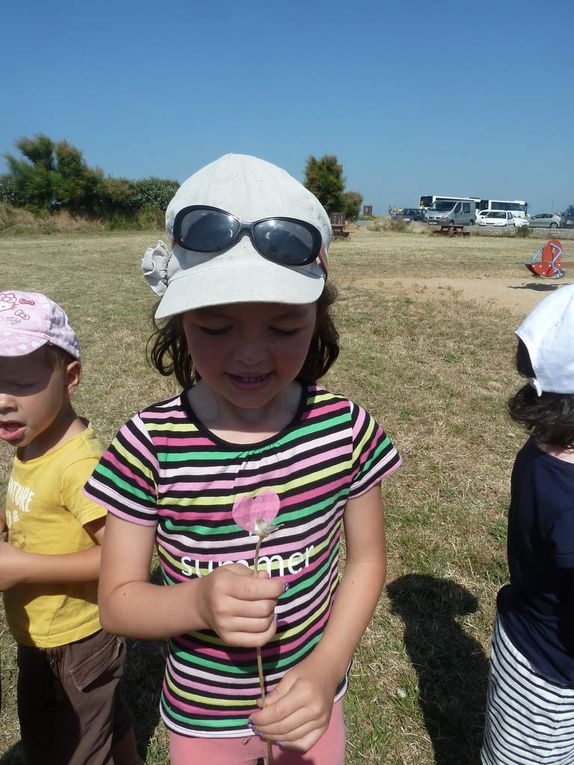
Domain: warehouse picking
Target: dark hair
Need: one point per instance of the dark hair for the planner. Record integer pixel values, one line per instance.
(54, 356)
(548, 418)
(167, 347)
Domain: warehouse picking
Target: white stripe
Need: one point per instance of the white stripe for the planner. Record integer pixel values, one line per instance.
(528, 719)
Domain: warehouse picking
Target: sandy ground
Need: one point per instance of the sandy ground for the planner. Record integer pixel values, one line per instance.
(519, 295)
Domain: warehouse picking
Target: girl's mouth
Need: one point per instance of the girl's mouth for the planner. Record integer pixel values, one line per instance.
(250, 382)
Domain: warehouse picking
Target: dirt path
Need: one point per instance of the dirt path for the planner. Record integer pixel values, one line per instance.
(517, 295)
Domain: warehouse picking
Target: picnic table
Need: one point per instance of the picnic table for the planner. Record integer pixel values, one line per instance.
(339, 231)
(452, 230)
(338, 226)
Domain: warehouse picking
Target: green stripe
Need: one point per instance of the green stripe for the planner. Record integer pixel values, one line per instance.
(296, 434)
(127, 487)
(200, 722)
(375, 455)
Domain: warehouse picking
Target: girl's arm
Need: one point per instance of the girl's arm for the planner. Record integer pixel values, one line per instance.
(21, 567)
(230, 601)
(297, 711)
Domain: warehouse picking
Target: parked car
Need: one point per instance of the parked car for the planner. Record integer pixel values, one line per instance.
(502, 218)
(409, 213)
(567, 219)
(480, 214)
(544, 220)
(451, 213)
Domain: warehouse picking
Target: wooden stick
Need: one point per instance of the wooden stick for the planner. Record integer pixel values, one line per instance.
(260, 659)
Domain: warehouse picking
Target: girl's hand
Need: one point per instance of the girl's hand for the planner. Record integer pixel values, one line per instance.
(239, 606)
(298, 710)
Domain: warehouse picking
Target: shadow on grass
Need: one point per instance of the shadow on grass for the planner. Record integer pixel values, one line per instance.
(142, 682)
(141, 688)
(536, 287)
(452, 668)
(13, 756)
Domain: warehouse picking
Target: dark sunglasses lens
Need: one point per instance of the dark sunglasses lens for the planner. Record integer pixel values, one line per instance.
(287, 242)
(207, 230)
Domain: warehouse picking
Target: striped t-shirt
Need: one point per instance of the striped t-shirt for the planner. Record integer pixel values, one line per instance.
(165, 468)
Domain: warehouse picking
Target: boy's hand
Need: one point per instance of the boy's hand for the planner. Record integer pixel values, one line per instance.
(297, 711)
(239, 606)
(12, 566)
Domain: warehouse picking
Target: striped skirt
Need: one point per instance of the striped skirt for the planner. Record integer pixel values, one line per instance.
(529, 721)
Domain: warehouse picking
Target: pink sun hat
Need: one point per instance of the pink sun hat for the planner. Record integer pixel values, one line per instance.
(29, 320)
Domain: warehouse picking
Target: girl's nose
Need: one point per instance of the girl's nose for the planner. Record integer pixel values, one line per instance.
(250, 350)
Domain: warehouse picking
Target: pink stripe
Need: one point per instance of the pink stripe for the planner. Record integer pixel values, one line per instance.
(170, 413)
(169, 440)
(312, 495)
(124, 469)
(248, 692)
(327, 408)
(138, 446)
(211, 712)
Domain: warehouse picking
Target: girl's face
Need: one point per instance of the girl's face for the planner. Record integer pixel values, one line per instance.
(248, 354)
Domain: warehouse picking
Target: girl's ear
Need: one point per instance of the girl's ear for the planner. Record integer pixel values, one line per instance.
(72, 374)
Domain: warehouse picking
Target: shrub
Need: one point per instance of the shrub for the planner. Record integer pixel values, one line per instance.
(154, 192)
(7, 189)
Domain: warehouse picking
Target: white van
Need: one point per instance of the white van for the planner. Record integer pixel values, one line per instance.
(450, 213)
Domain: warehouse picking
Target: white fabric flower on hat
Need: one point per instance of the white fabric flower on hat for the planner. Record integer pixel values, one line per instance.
(154, 267)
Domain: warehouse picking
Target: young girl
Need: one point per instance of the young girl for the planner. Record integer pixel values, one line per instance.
(530, 709)
(251, 446)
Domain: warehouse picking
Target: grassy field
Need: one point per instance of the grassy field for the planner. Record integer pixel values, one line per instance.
(436, 371)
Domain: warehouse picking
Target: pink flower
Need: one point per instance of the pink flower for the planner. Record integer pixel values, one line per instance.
(255, 514)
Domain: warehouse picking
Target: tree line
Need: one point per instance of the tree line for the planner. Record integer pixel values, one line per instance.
(52, 175)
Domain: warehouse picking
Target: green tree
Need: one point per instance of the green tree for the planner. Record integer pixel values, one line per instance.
(324, 177)
(52, 175)
(352, 202)
(154, 192)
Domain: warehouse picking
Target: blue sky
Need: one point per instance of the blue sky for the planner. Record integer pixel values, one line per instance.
(412, 96)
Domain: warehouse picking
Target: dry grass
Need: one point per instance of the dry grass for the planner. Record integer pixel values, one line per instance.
(436, 371)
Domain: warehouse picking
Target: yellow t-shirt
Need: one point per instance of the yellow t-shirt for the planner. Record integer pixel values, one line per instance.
(46, 512)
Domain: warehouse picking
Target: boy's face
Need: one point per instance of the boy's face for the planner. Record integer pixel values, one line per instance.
(33, 396)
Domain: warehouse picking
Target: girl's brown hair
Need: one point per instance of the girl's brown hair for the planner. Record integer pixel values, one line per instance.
(167, 347)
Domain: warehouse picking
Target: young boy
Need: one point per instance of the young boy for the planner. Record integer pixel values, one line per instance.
(530, 709)
(69, 707)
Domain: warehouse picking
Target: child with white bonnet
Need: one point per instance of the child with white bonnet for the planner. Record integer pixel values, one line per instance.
(530, 709)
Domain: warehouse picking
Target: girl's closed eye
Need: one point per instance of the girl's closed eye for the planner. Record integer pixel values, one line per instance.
(214, 331)
(285, 331)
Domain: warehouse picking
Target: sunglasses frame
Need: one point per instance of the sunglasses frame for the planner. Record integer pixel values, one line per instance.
(249, 228)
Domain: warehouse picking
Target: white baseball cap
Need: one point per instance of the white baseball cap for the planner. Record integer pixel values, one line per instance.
(548, 334)
(250, 189)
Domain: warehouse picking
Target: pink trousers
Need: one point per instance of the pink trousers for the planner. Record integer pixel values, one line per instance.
(329, 750)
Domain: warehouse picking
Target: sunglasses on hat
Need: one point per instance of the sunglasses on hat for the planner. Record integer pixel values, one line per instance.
(286, 241)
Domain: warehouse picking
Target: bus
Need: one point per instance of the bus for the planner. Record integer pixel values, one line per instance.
(428, 200)
(514, 205)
